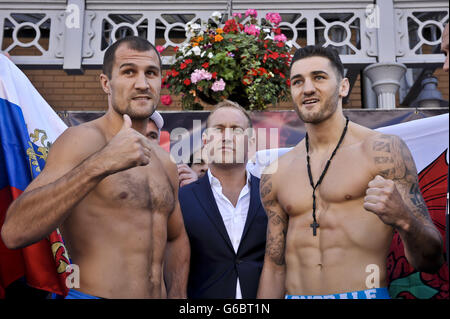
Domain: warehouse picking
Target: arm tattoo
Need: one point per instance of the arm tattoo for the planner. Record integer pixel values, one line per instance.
(394, 161)
(277, 223)
(265, 186)
(275, 247)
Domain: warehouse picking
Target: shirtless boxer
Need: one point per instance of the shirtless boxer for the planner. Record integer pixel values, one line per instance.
(113, 192)
(369, 189)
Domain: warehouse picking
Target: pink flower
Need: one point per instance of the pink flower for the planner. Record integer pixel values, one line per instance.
(166, 100)
(237, 15)
(252, 30)
(273, 18)
(251, 12)
(281, 38)
(160, 48)
(218, 86)
(199, 75)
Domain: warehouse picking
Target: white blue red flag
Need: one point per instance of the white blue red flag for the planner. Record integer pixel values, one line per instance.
(28, 127)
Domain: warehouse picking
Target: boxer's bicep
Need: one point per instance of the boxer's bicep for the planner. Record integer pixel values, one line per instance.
(175, 223)
(392, 159)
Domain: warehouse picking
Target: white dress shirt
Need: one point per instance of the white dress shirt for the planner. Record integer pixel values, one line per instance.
(233, 217)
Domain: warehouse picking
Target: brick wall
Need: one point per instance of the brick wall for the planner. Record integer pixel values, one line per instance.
(69, 92)
(84, 93)
(443, 86)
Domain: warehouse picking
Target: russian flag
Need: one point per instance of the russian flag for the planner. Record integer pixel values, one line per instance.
(28, 127)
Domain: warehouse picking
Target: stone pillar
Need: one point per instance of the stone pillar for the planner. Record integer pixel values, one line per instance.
(370, 98)
(73, 36)
(430, 97)
(385, 78)
(387, 73)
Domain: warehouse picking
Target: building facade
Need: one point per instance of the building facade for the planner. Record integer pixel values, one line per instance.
(390, 48)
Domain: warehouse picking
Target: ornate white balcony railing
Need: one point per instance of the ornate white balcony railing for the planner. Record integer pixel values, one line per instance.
(73, 34)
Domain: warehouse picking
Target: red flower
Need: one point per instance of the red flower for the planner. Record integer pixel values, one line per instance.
(164, 83)
(183, 66)
(187, 82)
(205, 65)
(282, 75)
(280, 44)
(175, 73)
(166, 100)
(277, 31)
(274, 55)
(175, 49)
(188, 61)
(262, 71)
(231, 26)
(288, 82)
(214, 75)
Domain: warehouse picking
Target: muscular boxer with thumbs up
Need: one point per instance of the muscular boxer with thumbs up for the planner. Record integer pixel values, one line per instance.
(113, 193)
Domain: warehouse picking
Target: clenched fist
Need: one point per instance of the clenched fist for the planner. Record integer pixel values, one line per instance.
(127, 149)
(383, 199)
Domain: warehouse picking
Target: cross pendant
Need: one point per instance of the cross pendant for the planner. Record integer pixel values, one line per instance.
(314, 226)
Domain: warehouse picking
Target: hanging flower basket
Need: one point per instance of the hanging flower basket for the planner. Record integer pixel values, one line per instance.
(246, 63)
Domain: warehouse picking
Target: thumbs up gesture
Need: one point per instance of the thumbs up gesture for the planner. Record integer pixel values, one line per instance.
(126, 122)
(127, 149)
(383, 199)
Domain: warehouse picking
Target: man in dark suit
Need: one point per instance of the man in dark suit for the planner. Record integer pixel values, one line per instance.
(222, 212)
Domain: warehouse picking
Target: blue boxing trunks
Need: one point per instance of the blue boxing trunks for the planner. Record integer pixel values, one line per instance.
(375, 293)
(75, 294)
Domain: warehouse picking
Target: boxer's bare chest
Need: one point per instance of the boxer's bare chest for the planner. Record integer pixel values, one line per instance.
(145, 187)
(345, 180)
(339, 202)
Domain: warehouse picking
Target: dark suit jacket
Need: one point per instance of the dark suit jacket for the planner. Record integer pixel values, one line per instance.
(214, 264)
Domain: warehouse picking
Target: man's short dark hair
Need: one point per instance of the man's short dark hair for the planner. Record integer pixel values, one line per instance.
(317, 50)
(134, 43)
(228, 103)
